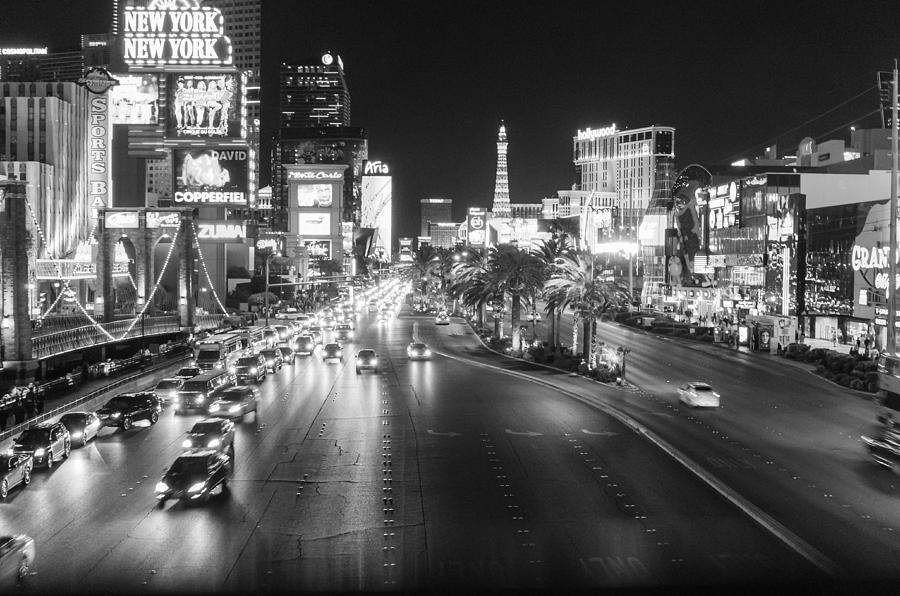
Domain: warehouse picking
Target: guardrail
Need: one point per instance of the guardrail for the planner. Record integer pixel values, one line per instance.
(18, 428)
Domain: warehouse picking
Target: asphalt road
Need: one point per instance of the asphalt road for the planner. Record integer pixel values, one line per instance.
(440, 474)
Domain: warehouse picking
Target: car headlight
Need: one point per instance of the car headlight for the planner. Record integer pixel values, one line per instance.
(214, 407)
(427, 352)
(270, 362)
(374, 361)
(77, 434)
(115, 415)
(232, 369)
(254, 370)
(39, 452)
(234, 409)
(187, 443)
(214, 443)
(201, 399)
(173, 395)
(176, 398)
(196, 488)
(162, 487)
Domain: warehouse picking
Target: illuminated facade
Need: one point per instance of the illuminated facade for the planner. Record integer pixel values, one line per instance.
(314, 230)
(444, 234)
(434, 211)
(377, 206)
(314, 93)
(500, 206)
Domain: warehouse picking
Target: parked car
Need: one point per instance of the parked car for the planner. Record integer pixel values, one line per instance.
(418, 351)
(15, 469)
(82, 426)
(332, 352)
(211, 433)
(17, 555)
(250, 368)
(273, 358)
(698, 394)
(124, 409)
(366, 360)
(167, 389)
(47, 443)
(194, 476)
(235, 402)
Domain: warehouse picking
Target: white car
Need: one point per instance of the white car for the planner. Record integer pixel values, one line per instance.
(442, 319)
(698, 394)
(16, 560)
(533, 316)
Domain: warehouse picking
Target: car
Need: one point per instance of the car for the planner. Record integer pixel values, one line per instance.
(533, 316)
(82, 426)
(328, 322)
(122, 410)
(47, 443)
(194, 476)
(442, 318)
(332, 352)
(885, 447)
(211, 433)
(698, 394)
(343, 332)
(274, 361)
(287, 354)
(250, 368)
(284, 332)
(188, 372)
(418, 351)
(15, 469)
(306, 344)
(166, 389)
(235, 402)
(17, 555)
(366, 360)
(315, 331)
(200, 391)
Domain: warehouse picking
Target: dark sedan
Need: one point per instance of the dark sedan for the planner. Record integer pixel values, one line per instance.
(123, 410)
(366, 360)
(194, 477)
(211, 433)
(47, 443)
(332, 352)
(15, 469)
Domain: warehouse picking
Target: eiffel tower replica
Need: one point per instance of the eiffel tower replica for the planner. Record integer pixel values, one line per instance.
(500, 208)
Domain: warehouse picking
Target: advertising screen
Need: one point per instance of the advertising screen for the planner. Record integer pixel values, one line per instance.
(214, 176)
(377, 194)
(204, 106)
(135, 100)
(318, 249)
(313, 195)
(314, 224)
(477, 228)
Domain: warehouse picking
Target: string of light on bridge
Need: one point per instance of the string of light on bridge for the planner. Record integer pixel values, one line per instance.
(149, 299)
(205, 272)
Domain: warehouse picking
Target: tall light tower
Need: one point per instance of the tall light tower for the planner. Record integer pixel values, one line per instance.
(501, 185)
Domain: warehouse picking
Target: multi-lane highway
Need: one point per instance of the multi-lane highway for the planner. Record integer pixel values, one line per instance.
(450, 474)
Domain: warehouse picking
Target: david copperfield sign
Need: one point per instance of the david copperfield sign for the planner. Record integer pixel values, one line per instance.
(211, 176)
(174, 32)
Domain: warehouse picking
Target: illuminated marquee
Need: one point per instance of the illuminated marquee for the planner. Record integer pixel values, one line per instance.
(376, 168)
(98, 152)
(167, 33)
(220, 231)
(213, 175)
(321, 175)
(589, 134)
(23, 51)
(163, 219)
(862, 258)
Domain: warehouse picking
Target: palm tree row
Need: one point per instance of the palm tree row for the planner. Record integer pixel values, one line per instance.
(555, 272)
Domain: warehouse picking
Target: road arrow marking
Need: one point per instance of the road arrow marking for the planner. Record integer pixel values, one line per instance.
(604, 433)
(527, 433)
(449, 434)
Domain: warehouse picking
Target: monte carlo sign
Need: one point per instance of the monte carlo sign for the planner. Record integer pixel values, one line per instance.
(174, 32)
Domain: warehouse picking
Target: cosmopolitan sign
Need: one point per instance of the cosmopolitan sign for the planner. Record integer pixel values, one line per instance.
(166, 32)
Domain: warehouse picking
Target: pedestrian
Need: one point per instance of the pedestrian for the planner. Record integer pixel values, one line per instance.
(834, 338)
(857, 344)
(19, 410)
(30, 406)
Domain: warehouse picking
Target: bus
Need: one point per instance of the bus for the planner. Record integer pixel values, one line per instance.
(219, 352)
(254, 338)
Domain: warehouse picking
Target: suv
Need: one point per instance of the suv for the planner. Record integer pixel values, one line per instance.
(212, 433)
(202, 389)
(305, 345)
(194, 476)
(124, 409)
(47, 443)
(366, 360)
(249, 368)
(273, 358)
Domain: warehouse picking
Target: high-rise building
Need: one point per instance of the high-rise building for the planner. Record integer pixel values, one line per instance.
(501, 183)
(623, 162)
(39, 64)
(435, 211)
(314, 93)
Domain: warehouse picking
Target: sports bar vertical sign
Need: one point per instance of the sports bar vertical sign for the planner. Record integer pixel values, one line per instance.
(98, 82)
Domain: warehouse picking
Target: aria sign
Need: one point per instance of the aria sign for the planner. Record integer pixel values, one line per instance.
(175, 33)
(376, 168)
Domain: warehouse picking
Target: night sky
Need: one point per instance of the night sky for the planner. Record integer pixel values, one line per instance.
(432, 80)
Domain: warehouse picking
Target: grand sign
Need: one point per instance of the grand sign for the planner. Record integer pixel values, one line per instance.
(174, 33)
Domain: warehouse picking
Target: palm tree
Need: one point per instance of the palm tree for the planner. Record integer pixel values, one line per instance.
(442, 268)
(419, 271)
(468, 282)
(549, 251)
(516, 273)
(573, 285)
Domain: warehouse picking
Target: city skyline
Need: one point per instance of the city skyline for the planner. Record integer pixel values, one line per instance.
(432, 88)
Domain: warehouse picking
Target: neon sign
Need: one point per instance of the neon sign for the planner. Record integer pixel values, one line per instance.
(321, 175)
(376, 167)
(863, 258)
(589, 134)
(98, 151)
(169, 33)
(221, 231)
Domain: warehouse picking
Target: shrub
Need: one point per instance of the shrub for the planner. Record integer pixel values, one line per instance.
(662, 330)
(857, 384)
(842, 379)
(707, 337)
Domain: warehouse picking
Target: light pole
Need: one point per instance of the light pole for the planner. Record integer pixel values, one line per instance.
(266, 297)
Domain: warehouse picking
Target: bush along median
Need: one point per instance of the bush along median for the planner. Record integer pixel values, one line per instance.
(848, 370)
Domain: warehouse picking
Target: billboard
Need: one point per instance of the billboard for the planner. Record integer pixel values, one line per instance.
(318, 250)
(163, 219)
(314, 224)
(476, 225)
(377, 201)
(221, 232)
(204, 106)
(161, 32)
(313, 195)
(121, 219)
(211, 176)
(135, 100)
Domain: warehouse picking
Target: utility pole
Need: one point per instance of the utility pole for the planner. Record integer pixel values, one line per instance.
(892, 241)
